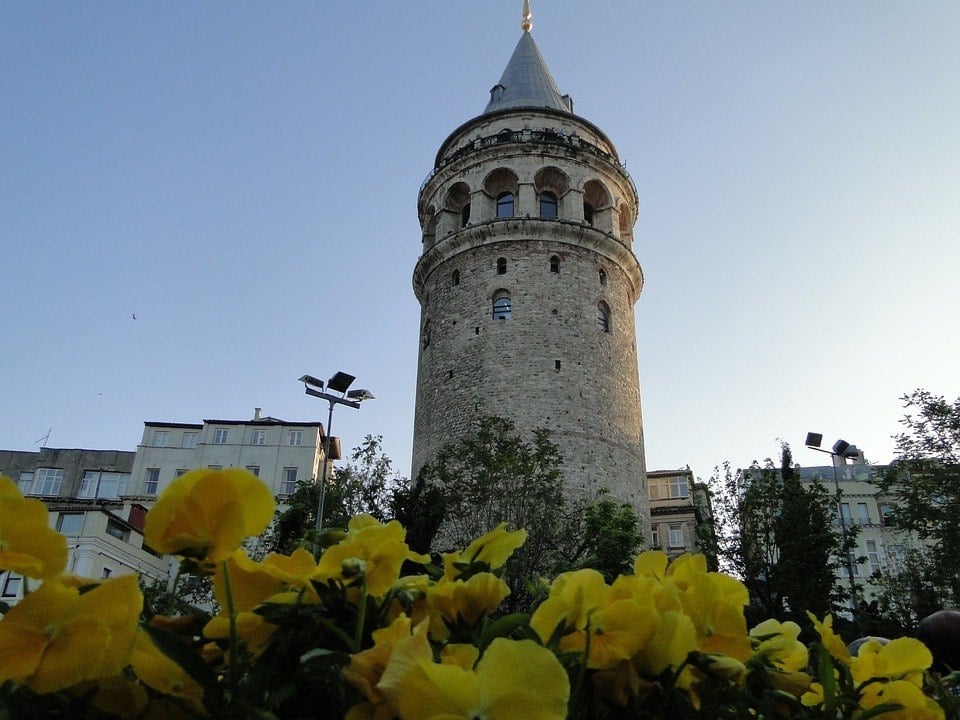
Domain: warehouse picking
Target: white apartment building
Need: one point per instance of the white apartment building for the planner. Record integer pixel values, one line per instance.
(679, 506)
(280, 453)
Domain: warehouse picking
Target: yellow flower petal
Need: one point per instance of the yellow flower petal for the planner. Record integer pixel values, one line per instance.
(521, 679)
(28, 545)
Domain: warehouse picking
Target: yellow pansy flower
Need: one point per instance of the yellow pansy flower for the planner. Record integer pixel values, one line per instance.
(380, 547)
(493, 548)
(155, 669)
(57, 637)
(780, 644)
(513, 679)
(900, 659)
(915, 705)
(206, 514)
(574, 596)
(28, 545)
(829, 639)
(463, 601)
(366, 668)
(674, 639)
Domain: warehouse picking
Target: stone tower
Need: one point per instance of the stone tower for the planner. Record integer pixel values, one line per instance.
(527, 283)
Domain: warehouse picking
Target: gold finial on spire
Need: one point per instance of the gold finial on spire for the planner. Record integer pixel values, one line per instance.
(527, 24)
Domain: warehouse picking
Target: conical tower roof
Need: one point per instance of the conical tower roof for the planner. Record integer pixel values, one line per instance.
(526, 81)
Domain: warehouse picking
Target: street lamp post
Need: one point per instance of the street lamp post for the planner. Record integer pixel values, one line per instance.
(339, 384)
(841, 449)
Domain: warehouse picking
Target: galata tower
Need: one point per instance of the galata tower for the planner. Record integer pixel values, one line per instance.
(527, 283)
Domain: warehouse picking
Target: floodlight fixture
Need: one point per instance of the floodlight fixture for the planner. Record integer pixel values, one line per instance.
(340, 382)
(814, 440)
(311, 380)
(360, 395)
(840, 447)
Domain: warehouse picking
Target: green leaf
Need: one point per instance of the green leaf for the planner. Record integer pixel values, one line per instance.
(502, 627)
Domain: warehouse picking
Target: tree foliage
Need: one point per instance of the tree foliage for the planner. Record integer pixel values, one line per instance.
(775, 531)
(498, 476)
(925, 479)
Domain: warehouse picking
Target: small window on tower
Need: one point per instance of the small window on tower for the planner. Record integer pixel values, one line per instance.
(501, 266)
(505, 205)
(548, 206)
(603, 316)
(502, 306)
(465, 215)
(603, 276)
(554, 264)
(426, 334)
(456, 277)
(588, 213)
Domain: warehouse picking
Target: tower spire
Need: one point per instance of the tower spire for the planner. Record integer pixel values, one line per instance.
(527, 24)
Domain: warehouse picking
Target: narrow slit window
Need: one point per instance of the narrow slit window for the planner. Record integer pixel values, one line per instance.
(588, 213)
(501, 266)
(554, 264)
(603, 276)
(456, 277)
(465, 215)
(603, 317)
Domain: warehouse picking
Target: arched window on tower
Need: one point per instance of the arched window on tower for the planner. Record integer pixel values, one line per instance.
(548, 206)
(501, 266)
(554, 264)
(603, 316)
(505, 205)
(502, 306)
(456, 277)
(588, 213)
(465, 215)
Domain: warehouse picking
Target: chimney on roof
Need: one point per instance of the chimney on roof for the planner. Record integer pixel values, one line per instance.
(256, 413)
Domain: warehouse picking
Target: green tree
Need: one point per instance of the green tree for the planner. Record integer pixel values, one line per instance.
(497, 476)
(775, 532)
(925, 479)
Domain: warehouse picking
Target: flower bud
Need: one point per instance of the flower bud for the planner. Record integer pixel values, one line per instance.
(353, 567)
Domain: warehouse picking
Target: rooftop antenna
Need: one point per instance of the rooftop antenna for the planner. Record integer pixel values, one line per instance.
(527, 24)
(44, 439)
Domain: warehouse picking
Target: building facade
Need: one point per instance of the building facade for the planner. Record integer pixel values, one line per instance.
(85, 492)
(280, 453)
(527, 282)
(680, 512)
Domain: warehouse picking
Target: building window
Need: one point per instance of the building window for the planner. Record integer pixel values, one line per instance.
(288, 485)
(96, 484)
(603, 276)
(554, 264)
(254, 470)
(426, 334)
(603, 317)
(151, 480)
(161, 438)
(220, 436)
(888, 516)
(678, 486)
(863, 514)
(873, 556)
(70, 524)
(115, 529)
(845, 515)
(25, 482)
(655, 538)
(465, 215)
(189, 440)
(258, 437)
(12, 585)
(456, 277)
(105, 573)
(47, 481)
(675, 536)
(215, 467)
(501, 266)
(295, 438)
(548, 206)
(588, 213)
(502, 306)
(180, 471)
(505, 205)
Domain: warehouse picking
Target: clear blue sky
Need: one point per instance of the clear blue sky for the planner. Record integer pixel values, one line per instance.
(243, 177)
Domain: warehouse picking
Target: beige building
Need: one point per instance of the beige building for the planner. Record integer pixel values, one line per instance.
(280, 453)
(86, 494)
(527, 282)
(680, 512)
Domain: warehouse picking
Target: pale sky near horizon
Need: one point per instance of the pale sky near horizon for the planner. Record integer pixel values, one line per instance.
(243, 176)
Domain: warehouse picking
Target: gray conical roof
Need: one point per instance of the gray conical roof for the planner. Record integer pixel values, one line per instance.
(526, 81)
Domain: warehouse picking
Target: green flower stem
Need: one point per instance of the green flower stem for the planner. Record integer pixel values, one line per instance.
(232, 616)
(361, 614)
(576, 697)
